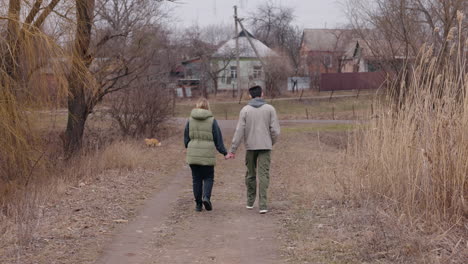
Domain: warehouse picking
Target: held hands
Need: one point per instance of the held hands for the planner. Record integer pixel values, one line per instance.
(230, 156)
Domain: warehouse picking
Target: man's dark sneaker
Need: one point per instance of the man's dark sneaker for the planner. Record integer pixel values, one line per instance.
(198, 207)
(207, 204)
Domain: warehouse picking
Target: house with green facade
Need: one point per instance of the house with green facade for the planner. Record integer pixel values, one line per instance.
(251, 71)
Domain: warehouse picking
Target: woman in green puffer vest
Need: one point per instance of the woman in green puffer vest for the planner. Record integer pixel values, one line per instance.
(202, 137)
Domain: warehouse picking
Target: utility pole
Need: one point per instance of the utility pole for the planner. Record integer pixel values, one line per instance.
(252, 45)
(238, 77)
(254, 48)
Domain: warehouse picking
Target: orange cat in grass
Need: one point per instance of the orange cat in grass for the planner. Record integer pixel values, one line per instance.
(152, 142)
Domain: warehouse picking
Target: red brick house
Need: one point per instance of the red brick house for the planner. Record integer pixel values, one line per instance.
(322, 51)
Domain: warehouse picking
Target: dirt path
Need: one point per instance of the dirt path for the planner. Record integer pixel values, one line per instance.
(168, 230)
(127, 246)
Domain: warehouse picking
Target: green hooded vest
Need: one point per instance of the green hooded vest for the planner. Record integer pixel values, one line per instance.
(201, 148)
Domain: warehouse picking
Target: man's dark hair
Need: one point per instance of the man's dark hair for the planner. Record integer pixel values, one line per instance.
(255, 91)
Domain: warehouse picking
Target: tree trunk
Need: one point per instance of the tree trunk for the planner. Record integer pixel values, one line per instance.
(78, 109)
(204, 88)
(13, 28)
(75, 128)
(77, 115)
(215, 85)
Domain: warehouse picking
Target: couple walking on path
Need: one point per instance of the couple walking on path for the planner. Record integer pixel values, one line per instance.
(258, 127)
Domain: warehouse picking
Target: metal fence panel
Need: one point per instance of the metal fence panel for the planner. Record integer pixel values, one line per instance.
(299, 83)
(351, 81)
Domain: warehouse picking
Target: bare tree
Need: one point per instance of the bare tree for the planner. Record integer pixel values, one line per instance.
(202, 43)
(394, 29)
(109, 54)
(272, 23)
(80, 78)
(292, 47)
(216, 34)
(323, 51)
(140, 112)
(276, 74)
(274, 26)
(330, 59)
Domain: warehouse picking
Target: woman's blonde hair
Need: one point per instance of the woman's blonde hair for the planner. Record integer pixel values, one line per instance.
(203, 104)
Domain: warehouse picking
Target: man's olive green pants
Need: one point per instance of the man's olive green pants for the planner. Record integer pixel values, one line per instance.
(258, 163)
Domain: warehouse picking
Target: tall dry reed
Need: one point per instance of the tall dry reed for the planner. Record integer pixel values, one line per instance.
(414, 152)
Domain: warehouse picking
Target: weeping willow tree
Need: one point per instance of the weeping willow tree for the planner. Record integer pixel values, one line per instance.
(27, 54)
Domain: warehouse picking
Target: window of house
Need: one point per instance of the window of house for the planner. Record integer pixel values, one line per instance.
(234, 72)
(328, 60)
(224, 73)
(257, 72)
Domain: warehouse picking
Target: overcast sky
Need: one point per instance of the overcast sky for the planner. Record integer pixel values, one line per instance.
(309, 13)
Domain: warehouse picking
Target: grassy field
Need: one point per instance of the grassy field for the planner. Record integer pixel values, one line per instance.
(318, 128)
(336, 108)
(345, 108)
(46, 121)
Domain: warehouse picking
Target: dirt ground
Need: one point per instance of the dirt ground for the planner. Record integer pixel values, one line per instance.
(74, 225)
(147, 216)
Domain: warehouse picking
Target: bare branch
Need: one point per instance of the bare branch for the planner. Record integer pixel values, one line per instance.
(33, 12)
(42, 17)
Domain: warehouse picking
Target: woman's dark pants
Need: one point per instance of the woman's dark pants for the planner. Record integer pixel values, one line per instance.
(203, 177)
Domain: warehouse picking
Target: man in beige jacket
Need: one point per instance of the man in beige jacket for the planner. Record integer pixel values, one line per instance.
(258, 126)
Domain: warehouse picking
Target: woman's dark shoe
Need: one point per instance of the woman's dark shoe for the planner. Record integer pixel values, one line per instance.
(207, 204)
(198, 207)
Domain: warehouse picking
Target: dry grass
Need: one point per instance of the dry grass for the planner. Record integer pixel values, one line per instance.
(123, 155)
(126, 155)
(329, 222)
(306, 163)
(412, 158)
(414, 155)
(23, 199)
(76, 205)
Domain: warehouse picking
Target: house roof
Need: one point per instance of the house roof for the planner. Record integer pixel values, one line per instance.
(191, 60)
(228, 49)
(353, 49)
(326, 39)
(373, 48)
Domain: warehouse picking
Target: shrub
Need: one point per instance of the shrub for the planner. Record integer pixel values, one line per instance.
(141, 111)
